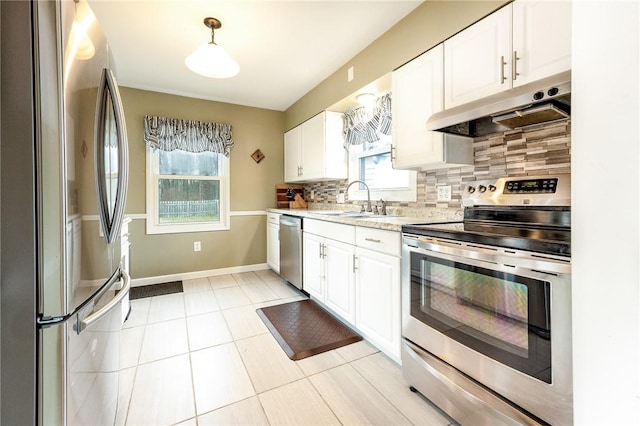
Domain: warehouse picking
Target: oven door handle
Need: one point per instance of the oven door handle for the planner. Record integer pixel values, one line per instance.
(498, 256)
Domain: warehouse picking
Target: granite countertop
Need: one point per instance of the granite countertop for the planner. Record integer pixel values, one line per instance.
(393, 222)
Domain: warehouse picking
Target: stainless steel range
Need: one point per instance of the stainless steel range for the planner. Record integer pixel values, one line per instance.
(487, 305)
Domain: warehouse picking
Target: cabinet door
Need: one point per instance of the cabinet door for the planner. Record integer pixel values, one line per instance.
(313, 147)
(541, 39)
(417, 94)
(313, 265)
(273, 246)
(477, 61)
(340, 295)
(378, 300)
(292, 155)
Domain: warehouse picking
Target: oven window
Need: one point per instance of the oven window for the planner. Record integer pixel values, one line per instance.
(501, 315)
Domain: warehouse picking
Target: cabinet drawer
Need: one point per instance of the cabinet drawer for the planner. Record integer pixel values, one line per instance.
(273, 218)
(334, 231)
(388, 242)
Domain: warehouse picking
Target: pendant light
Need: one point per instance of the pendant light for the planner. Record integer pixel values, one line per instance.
(211, 60)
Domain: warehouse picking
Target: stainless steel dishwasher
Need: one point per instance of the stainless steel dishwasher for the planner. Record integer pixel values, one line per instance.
(291, 249)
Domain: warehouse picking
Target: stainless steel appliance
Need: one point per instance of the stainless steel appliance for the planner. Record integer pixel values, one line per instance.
(487, 305)
(291, 249)
(64, 163)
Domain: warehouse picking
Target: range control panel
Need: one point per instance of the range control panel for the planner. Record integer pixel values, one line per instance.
(531, 186)
(553, 190)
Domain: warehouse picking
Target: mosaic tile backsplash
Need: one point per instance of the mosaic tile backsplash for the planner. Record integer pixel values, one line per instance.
(537, 150)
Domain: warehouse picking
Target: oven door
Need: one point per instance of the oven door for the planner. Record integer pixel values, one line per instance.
(501, 317)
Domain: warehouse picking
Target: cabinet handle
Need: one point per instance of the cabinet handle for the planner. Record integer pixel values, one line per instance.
(320, 251)
(355, 258)
(393, 153)
(502, 64)
(514, 69)
(373, 240)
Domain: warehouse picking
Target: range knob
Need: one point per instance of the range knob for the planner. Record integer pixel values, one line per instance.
(482, 188)
(471, 189)
(553, 91)
(538, 95)
(492, 188)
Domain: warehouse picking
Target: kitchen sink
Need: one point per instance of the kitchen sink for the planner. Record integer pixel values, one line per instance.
(352, 215)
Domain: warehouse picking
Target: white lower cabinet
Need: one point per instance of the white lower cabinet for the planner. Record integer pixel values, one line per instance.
(378, 304)
(354, 272)
(328, 252)
(273, 241)
(378, 300)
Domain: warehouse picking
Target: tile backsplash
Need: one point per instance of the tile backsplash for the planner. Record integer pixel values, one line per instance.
(537, 150)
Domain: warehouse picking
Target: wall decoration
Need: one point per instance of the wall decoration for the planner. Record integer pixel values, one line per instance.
(257, 156)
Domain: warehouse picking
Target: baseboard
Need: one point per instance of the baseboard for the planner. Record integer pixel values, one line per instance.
(136, 282)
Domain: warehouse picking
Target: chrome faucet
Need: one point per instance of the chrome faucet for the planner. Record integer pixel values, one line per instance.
(368, 193)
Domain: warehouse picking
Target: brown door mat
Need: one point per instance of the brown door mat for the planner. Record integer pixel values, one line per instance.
(304, 329)
(155, 290)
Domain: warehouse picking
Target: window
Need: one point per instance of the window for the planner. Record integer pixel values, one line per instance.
(187, 191)
(370, 162)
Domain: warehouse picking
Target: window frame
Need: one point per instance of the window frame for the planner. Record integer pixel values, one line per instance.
(152, 197)
(405, 194)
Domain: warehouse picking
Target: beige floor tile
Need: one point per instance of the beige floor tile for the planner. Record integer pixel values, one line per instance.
(246, 412)
(163, 340)
(231, 297)
(244, 322)
(356, 350)
(162, 393)
(266, 362)
(196, 285)
(386, 377)
(200, 303)
(295, 404)
(282, 288)
(207, 330)
(353, 399)
(167, 307)
(190, 422)
(246, 278)
(130, 345)
(125, 387)
(222, 281)
(320, 362)
(219, 377)
(138, 314)
(267, 275)
(259, 292)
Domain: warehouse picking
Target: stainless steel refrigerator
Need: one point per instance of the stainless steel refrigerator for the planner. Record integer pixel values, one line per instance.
(64, 166)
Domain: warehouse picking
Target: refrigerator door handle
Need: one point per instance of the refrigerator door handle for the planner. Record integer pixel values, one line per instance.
(122, 293)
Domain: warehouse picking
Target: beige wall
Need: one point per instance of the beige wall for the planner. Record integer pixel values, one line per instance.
(425, 27)
(252, 186)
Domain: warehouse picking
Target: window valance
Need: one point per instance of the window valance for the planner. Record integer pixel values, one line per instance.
(366, 125)
(169, 134)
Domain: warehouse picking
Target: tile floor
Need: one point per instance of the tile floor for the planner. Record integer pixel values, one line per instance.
(204, 357)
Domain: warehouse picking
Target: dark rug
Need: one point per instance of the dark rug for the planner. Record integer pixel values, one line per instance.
(304, 329)
(155, 290)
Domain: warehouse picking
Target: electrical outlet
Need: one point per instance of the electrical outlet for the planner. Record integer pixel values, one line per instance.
(312, 195)
(196, 246)
(340, 198)
(349, 74)
(444, 193)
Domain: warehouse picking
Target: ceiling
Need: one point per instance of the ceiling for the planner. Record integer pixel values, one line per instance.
(284, 48)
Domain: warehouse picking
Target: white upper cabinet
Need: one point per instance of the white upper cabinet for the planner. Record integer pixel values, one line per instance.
(417, 89)
(314, 149)
(541, 39)
(523, 42)
(476, 60)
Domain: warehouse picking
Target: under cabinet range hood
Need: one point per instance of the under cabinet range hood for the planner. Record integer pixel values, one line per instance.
(542, 101)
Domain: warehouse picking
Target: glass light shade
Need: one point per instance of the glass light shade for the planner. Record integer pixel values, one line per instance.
(211, 60)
